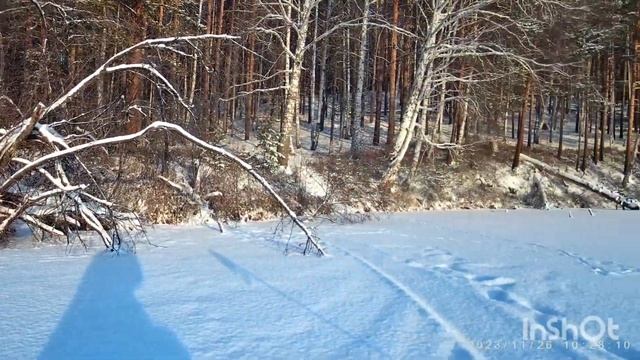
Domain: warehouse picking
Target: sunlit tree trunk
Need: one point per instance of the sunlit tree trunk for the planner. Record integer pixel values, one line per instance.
(356, 136)
(378, 79)
(523, 110)
(290, 118)
(249, 104)
(393, 63)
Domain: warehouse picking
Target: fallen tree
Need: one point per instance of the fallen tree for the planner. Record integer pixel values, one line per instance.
(30, 166)
(49, 190)
(626, 203)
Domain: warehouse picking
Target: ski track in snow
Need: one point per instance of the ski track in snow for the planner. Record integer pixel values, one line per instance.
(493, 291)
(460, 338)
(497, 288)
(492, 288)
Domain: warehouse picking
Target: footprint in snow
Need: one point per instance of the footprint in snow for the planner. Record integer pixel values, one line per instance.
(500, 295)
(414, 264)
(598, 267)
(492, 287)
(431, 251)
(495, 281)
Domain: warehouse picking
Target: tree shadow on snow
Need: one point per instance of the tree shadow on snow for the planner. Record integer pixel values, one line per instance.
(105, 320)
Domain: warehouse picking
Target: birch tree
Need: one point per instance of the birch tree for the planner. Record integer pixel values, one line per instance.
(290, 117)
(356, 137)
(443, 20)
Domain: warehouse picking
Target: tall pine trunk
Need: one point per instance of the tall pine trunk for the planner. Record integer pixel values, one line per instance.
(135, 86)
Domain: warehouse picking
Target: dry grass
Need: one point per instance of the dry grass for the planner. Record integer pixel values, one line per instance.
(477, 177)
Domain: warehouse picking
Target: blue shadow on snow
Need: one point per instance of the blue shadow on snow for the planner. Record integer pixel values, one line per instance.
(248, 277)
(106, 321)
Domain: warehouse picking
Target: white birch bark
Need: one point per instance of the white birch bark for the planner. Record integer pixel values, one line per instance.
(422, 133)
(422, 82)
(347, 86)
(463, 123)
(312, 86)
(357, 111)
(420, 88)
(290, 119)
(194, 64)
(440, 116)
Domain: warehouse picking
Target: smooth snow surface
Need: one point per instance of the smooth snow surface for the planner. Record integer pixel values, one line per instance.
(441, 285)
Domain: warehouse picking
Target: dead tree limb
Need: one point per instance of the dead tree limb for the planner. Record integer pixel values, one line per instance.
(615, 196)
(311, 243)
(13, 138)
(193, 197)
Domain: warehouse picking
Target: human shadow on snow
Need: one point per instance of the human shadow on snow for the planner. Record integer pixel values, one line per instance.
(105, 320)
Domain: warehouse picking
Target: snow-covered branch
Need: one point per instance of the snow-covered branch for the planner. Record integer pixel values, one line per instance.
(312, 242)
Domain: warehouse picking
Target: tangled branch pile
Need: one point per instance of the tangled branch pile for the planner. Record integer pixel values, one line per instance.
(46, 184)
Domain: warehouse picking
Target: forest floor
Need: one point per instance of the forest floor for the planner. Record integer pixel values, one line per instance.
(478, 175)
(328, 182)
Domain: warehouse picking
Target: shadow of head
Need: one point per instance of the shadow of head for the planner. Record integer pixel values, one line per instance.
(106, 320)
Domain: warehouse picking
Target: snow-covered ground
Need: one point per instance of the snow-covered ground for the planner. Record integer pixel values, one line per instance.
(450, 285)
